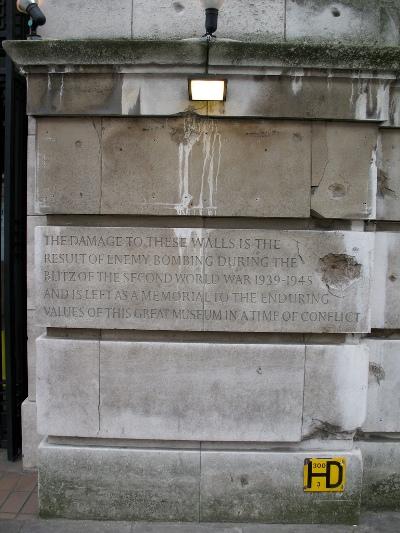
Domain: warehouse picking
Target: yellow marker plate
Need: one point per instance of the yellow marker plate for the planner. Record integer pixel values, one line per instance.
(325, 474)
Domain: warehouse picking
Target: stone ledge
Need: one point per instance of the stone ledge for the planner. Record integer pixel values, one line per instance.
(222, 53)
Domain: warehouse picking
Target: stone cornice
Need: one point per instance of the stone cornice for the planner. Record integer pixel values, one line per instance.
(89, 53)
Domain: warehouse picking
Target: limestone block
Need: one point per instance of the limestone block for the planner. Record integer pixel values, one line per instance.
(347, 21)
(344, 170)
(394, 107)
(381, 481)
(388, 194)
(30, 437)
(386, 281)
(260, 90)
(106, 483)
(31, 174)
(203, 279)
(268, 487)
(335, 390)
(192, 166)
(67, 387)
(384, 386)
(297, 93)
(115, 94)
(90, 19)
(162, 19)
(31, 223)
(69, 165)
(201, 392)
(33, 332)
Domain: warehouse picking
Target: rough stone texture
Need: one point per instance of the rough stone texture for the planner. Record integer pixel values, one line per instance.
(113, 94)
(67, 391)
(259, 20)
(268, 487)
(31, 171)
(90, 19)
(118, 483)
(156, 54)
(69, 165)
(381, 480)
(344, 170)
(388, 194)
(335, 390)
(31, 223)
(384, 386)
(386, 281)
(30, 437)
(354, 21)
(259, 91)
(33, 333)
(196, 167)
(394, 107)
(203, 279)
(161, 19)
(304, 94)
(201, 392)
(348, 20)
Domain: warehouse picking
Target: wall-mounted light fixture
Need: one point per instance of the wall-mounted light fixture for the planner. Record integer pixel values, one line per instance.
(212, 8)
(207, 88)
(36, 16)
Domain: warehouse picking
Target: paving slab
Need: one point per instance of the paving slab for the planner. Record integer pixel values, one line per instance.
(369, 522)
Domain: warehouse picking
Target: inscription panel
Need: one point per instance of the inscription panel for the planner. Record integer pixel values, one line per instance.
(203, 279)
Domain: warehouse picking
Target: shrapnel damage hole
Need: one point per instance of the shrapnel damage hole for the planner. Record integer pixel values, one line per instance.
(339, 271)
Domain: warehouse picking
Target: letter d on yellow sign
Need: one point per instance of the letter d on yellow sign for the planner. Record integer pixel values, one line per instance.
(325, 474)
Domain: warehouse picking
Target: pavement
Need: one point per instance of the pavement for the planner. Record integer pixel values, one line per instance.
(19, 514)
(370, 522)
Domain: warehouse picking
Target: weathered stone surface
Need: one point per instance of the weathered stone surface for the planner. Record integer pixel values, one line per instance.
(30, 437)
(348, 21)
(192, 166)
(394, 107)
(69, 165)
(384, 386)
(388, 194)
(201, 392)
(33, 332)
(268, 487)
(344, 170)
(113, 93)
(302, 93)
(386, 281)
(354, 21)
(203, 279)
(335, 390)
(118, 483)
(90, 19)
(161, 19)
(260, 91)
(381, 480)
(67, 391)
(31, 223)
(31, 171)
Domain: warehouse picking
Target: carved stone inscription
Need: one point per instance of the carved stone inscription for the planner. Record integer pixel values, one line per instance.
(203, 279)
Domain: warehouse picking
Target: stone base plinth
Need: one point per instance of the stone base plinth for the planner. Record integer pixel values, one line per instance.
(381, 483)
(189, 484)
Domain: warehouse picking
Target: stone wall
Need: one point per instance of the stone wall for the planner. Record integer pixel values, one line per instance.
(351, 21)
(216, 287)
